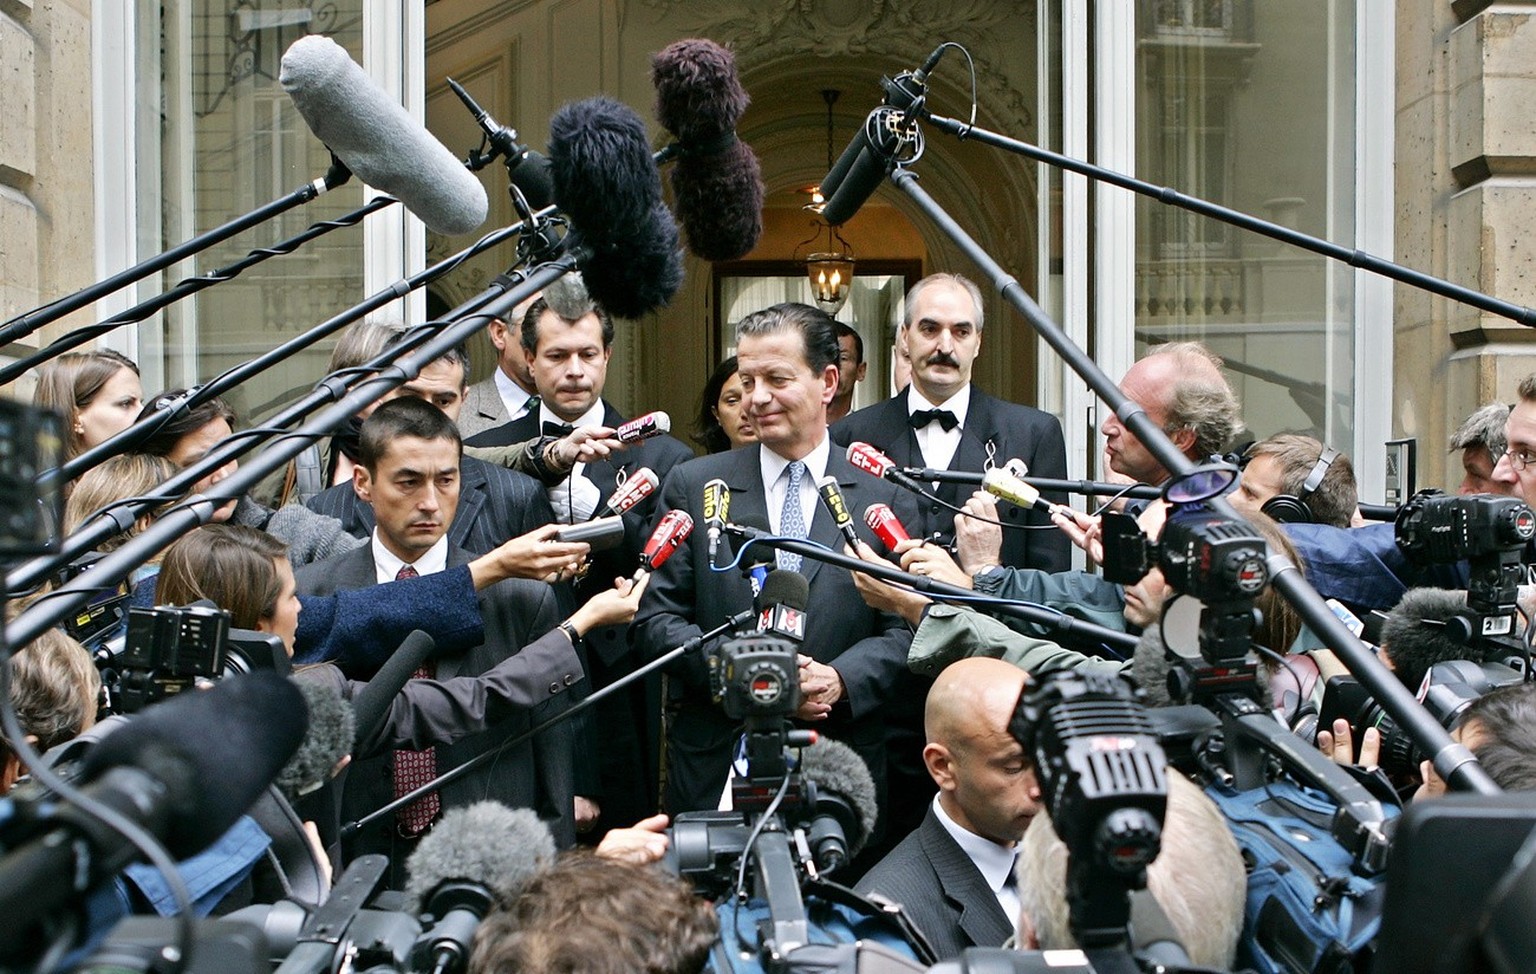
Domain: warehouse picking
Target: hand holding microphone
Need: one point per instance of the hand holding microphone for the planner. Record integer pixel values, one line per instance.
(978, 538)
(537, 555)
(612, 606)
(884, 597)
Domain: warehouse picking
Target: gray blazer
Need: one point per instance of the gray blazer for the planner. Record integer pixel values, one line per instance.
(941, 890)
(483, 408)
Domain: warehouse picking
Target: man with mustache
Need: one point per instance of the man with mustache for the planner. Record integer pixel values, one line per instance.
(943, 422)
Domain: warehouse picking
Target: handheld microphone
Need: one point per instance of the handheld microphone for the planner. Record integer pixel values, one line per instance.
(671, 531)
(1017, 467)
(717, 510)
(643, 427)
(844, 806)
(639, 485)
(377, 139)
(781, 605)
(372, 703)
(716, 178)
(607, 184)
(1006, 486)
(886, 525)
(332, 729)
(476, 858)
(832, 497)
(877, 464)
(185, 770)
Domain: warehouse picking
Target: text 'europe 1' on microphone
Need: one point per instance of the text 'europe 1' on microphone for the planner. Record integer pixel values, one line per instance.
(476, 858)
(637, 487)
(643, 427)
(671, 531)
(717, 510)
(781, 604)
(377, 139)
(886, 525)
(716, 178)
(832, 499)
(1006, 486)
(185, 770)
(877, 464)
(607, 185)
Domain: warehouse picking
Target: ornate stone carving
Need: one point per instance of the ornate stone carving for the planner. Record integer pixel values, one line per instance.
(770, 30)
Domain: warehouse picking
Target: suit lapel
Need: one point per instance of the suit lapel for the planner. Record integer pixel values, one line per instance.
(471, 499)
(979, 437)
(823, 530)
(981, 917)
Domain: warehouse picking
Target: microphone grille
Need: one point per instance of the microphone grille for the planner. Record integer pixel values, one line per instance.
(784, 587)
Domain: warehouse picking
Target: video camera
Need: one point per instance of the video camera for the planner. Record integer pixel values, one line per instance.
(1218, 563)
(1490, 534)
(167, 649)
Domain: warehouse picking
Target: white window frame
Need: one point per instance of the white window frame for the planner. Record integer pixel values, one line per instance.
(394, 241)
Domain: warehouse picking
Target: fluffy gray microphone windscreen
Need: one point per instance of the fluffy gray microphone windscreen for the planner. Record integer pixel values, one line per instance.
(332, 727)
(607, 184)
(837, 768)
(377, 139)
(487, 843)
(716, 179)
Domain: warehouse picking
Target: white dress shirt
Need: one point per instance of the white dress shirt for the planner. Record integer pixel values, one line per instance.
(776, 481)
(386, 565)
(937, 444)
(576, 497)
(994, 862)
(513, 396)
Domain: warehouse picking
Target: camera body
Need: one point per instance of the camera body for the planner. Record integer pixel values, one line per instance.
(1449, 688)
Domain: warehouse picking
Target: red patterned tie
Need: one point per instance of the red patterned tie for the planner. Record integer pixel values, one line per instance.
(415, 768)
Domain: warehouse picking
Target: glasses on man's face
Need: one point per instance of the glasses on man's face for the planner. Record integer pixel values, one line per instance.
(1520, 457)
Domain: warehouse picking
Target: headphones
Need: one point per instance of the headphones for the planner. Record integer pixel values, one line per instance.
(1292, 508)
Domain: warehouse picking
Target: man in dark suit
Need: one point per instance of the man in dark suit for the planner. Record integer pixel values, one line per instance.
(943, 422)
(567, 341)
(494, 504)
(788, 369)
(954, 874)
(409, 476)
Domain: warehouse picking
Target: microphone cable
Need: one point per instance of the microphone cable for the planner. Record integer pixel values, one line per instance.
(978, 601)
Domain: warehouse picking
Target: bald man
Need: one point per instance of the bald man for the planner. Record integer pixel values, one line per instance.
(954, 873)
(1182, 389)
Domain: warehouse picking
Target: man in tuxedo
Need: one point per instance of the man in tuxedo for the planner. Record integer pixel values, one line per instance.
(509, 392)
(567, 342)
(954, 874)
(788, 366)
(943, 422)
(494, 504)
(409, 477)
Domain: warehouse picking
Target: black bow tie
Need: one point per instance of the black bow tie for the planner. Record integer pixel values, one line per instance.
(558, 430)
(943, 417)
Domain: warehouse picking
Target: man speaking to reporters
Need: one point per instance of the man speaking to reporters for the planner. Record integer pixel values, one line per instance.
(788, 367)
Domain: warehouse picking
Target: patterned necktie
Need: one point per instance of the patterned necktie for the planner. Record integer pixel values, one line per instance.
(415, 768)
(792, 518)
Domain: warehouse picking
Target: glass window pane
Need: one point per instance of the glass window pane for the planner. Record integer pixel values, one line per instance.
(1250, 105)
(228, 140)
